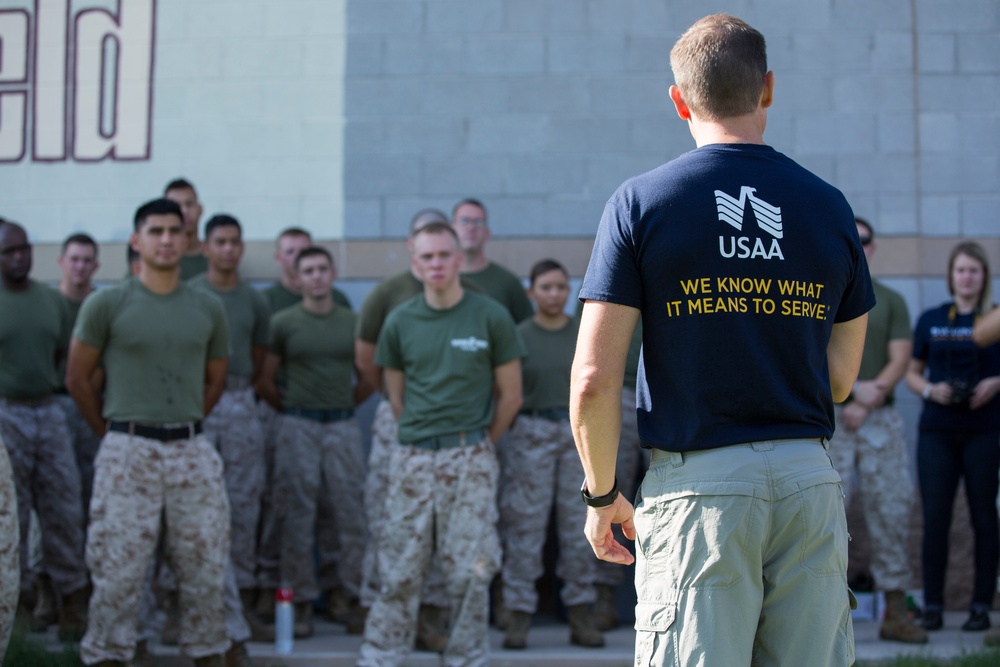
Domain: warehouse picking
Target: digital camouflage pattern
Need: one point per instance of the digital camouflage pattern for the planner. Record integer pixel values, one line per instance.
(137, 481)
(310, 459)
(875, 458)
(236, 431)
(85, 443)
(47, 480)
(9, 557)
(441, 506)
(539, 467)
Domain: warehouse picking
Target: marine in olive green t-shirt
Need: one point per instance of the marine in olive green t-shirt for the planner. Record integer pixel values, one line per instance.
(279, 297)
(193, 265)
(505, 287)
(889, 320)
(546, 369)
(154, 347)
(447, 357)
(317, 357)
(247, 318)
(35, 325)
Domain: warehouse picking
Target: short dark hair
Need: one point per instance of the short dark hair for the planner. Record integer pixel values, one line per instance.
(469, 200)
(436, 228)
(313, 251)
(221, 220)
(544, 266)
(81, 239)
(179, 184)
(161, 206)
(293, 231)
(425, 216)
(867, 225)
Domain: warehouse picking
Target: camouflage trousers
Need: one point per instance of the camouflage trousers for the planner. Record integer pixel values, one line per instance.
(47, 480)
(314, 460)
(876, 456)
(630, 466)
(384, 429)
(85, 444)
(539, 467)
(236, 431)
(139, 483)
(9, 557)
(441, 505)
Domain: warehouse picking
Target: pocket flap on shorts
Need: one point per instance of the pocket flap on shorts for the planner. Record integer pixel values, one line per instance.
(654, 617)
(851, 599)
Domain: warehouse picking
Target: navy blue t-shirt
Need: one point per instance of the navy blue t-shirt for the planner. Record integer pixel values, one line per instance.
(943, 340)
(740, 261)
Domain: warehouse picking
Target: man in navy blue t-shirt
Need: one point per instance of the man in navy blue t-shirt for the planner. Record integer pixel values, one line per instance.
(754, 292)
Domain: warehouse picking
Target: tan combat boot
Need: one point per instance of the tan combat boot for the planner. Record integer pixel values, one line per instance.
(605, 613)
(582, 630)
(142, 657)
(357, 616)
(259, 630)
(73, 615)
(432, 628)
(303, 619)
(45, 612)
(237, 656)
(897, 626)
(518, 624)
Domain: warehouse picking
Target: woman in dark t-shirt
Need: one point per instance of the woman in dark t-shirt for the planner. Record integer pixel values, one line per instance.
(959, 432)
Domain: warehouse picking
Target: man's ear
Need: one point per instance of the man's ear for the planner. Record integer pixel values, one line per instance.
(679, 104)
(767, 95)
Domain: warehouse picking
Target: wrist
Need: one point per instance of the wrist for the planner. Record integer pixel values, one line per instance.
(599, 501)
(928, 390)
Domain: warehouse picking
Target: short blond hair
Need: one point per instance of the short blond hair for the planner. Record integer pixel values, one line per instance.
(719, 65)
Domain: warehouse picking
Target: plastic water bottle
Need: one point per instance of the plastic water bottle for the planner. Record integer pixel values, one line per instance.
(284, 621)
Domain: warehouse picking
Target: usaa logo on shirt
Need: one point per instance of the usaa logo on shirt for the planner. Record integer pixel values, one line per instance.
(732, 210)
(470, 344)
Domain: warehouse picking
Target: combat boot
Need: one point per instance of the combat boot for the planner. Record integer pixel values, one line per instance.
(582, 630)
(357, 616)
(45, 612)
(265, 604)
(992, 637)
(432, 628)
(111, 663)
(259, 630)
(210, 661)
(141, 657)
(170, 634)
(518, 623)
(605, 612)
(73, 615)
(237, 656)
(338, 608)
(303, 619)
(897, 626)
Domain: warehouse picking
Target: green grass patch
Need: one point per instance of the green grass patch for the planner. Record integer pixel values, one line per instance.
(26, 652)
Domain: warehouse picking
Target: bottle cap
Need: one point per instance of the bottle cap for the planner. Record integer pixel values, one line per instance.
(283, 595)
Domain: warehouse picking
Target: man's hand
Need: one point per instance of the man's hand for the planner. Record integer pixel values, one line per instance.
(598, 531)
(853, 415)
(984, 392)
(870, 393)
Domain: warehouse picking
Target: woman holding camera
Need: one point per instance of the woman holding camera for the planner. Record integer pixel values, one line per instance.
(959, 432)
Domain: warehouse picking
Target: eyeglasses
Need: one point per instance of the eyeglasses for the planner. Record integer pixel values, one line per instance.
(866, 240)
(475, 222)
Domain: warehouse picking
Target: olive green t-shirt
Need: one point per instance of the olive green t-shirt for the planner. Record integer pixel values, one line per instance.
(34, 333)
(74, 311)
(279, 298)
(155, 348)
(545, 370)
(193, 265)
(889, 320)
(317, 357)
(247, 317)
(447, 357)
(505, 287)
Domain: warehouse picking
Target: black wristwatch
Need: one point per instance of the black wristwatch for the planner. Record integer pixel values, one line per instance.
(599, 501)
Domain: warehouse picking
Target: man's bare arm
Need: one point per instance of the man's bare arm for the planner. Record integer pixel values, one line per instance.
(81, 367)
(395, 389)
(364, 359)
(265, 386)
(508, 397)
(843, 355)
(987, 329)
(595, 412)
(215, 381)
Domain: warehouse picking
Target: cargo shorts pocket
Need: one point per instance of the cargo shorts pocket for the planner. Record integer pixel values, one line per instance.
(655, 643)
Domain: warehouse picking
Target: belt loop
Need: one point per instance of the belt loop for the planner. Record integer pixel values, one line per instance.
(131, 429)
(677, 459)
(461, 439)
(191, 432)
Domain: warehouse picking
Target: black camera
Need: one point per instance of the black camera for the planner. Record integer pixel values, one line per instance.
(961, 392)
